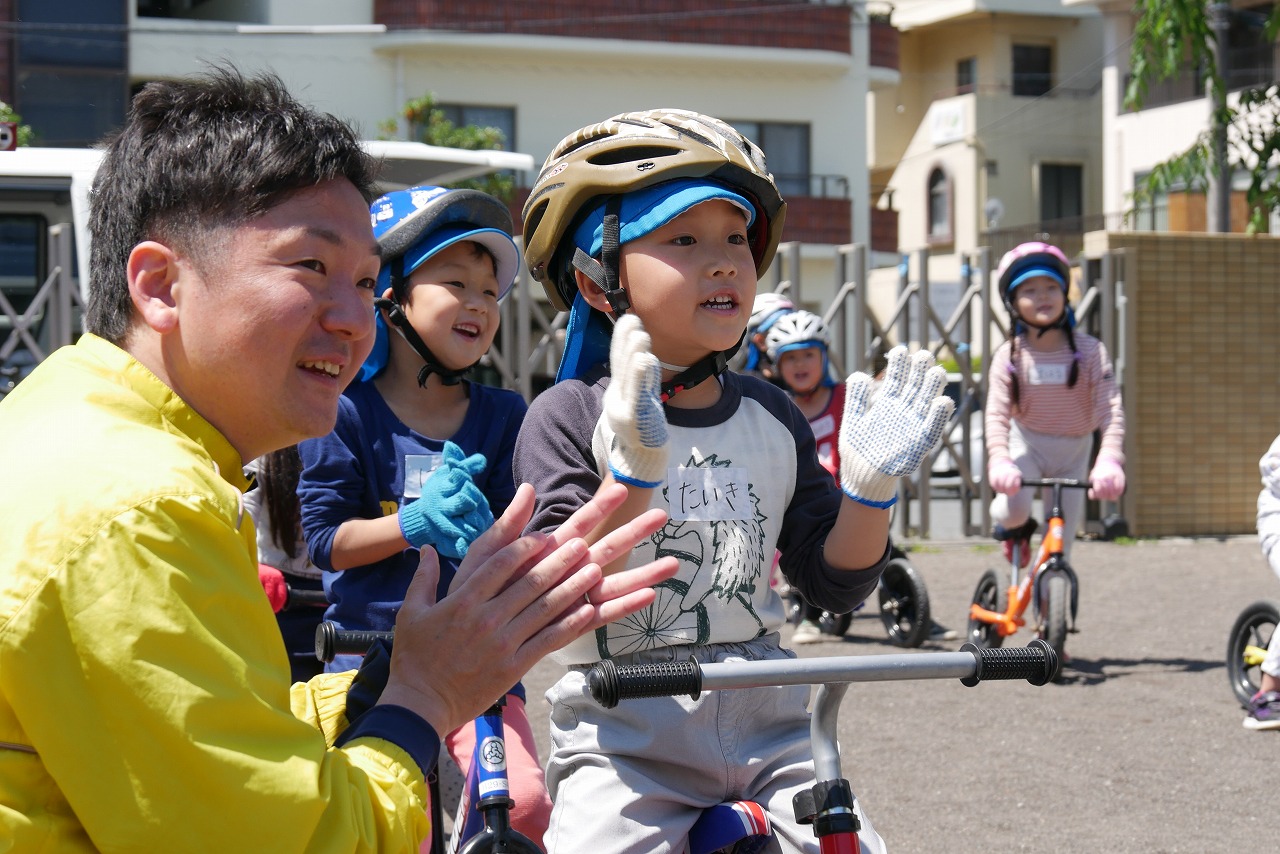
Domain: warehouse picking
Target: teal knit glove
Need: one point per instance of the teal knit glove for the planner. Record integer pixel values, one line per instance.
(452, 511)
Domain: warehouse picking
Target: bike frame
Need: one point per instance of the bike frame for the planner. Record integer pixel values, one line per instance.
(482, 823)
(1023, 592)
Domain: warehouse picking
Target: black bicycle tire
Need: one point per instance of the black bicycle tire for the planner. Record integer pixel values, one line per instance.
(904, 604)
(1057, 599)
(993, 594)
(1249, 629)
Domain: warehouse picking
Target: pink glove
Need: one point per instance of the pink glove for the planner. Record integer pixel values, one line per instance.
(274, 584)
(1005, 477)
(1107, 478)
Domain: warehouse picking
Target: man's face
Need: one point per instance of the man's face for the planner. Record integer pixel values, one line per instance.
(277, 320)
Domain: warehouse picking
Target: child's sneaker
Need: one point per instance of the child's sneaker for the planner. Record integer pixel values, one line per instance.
(806, 632)
(939, 632)
(1264, 711)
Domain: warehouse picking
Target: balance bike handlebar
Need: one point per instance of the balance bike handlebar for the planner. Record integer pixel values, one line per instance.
(332, 641)
(1064, 482)
(609, 683)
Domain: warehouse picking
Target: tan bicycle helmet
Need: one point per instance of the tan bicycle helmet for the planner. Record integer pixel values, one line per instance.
(629, 152)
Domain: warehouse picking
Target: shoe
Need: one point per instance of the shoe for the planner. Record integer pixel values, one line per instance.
(807, 632)
(939, 632)
(1264, 711)
(1024, 552)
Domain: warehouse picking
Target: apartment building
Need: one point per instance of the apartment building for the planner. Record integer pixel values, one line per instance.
(994, 129)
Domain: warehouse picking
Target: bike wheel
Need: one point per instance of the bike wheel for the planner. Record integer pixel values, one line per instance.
(904, 604)
(993, 595)
(1053, 614)
(1247, 643)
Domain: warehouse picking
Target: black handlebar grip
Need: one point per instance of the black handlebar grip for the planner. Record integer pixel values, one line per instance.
(332, 641)
(610, 683)
(1036, 662)
(297, 598)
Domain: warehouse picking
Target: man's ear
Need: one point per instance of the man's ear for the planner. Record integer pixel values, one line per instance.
(153, 274)
(592, 293)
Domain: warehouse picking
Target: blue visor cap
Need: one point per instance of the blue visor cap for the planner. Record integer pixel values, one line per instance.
(499, 243)
(643, 211)
(1032, 272)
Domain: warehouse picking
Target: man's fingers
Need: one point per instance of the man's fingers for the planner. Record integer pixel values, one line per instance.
(585, 519)
(624, 538)
(422, 587)
(622, 584)
(504, 531)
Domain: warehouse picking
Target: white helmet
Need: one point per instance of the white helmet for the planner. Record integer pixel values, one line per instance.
(767, 305)
(794, 331)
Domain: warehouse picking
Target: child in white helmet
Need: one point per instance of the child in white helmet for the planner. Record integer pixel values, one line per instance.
(1051, 386)
(651, 228)
(765, 311)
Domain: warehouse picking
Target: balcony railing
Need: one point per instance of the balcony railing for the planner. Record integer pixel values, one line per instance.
(883, 40)
(1254, 65)
(797, 24)
(1066, 233)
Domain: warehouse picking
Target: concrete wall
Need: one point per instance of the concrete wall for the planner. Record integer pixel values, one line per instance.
(1202, 390)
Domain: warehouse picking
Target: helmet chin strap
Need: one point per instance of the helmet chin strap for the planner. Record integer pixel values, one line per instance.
(605, 274)
(400, 323)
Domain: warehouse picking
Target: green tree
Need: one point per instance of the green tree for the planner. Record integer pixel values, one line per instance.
(1171, 36)
(427, 123)
(7, 114)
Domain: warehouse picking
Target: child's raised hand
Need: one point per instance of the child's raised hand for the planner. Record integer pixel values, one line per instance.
(633, 407)
(1107, 478)
(1004, 476)
(884, 441)
(452, 511)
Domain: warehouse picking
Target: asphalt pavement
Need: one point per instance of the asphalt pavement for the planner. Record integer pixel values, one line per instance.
(1139, 748)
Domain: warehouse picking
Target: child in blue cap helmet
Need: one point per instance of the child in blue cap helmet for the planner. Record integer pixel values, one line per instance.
(651, 229)
(420, 455)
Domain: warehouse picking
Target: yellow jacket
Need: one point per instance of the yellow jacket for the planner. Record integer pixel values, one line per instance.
(144, 696)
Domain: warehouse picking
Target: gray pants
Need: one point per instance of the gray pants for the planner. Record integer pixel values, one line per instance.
(1039, 455)
(634, 778)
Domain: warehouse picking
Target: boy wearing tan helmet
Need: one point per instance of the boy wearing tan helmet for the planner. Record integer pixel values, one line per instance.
(651, 229)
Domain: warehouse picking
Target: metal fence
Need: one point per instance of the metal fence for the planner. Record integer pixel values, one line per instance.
(527, 350)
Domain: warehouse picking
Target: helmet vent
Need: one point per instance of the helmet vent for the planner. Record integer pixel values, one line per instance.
(632, 154)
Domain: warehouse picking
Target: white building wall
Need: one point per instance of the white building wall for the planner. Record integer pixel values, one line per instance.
(556, 85)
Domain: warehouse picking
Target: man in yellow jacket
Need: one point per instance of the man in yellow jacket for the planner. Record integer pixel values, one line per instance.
(144, 700)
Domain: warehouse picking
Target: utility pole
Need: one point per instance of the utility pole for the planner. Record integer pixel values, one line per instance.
(1218, 197)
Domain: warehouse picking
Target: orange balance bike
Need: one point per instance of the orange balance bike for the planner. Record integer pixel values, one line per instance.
(998, 609)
